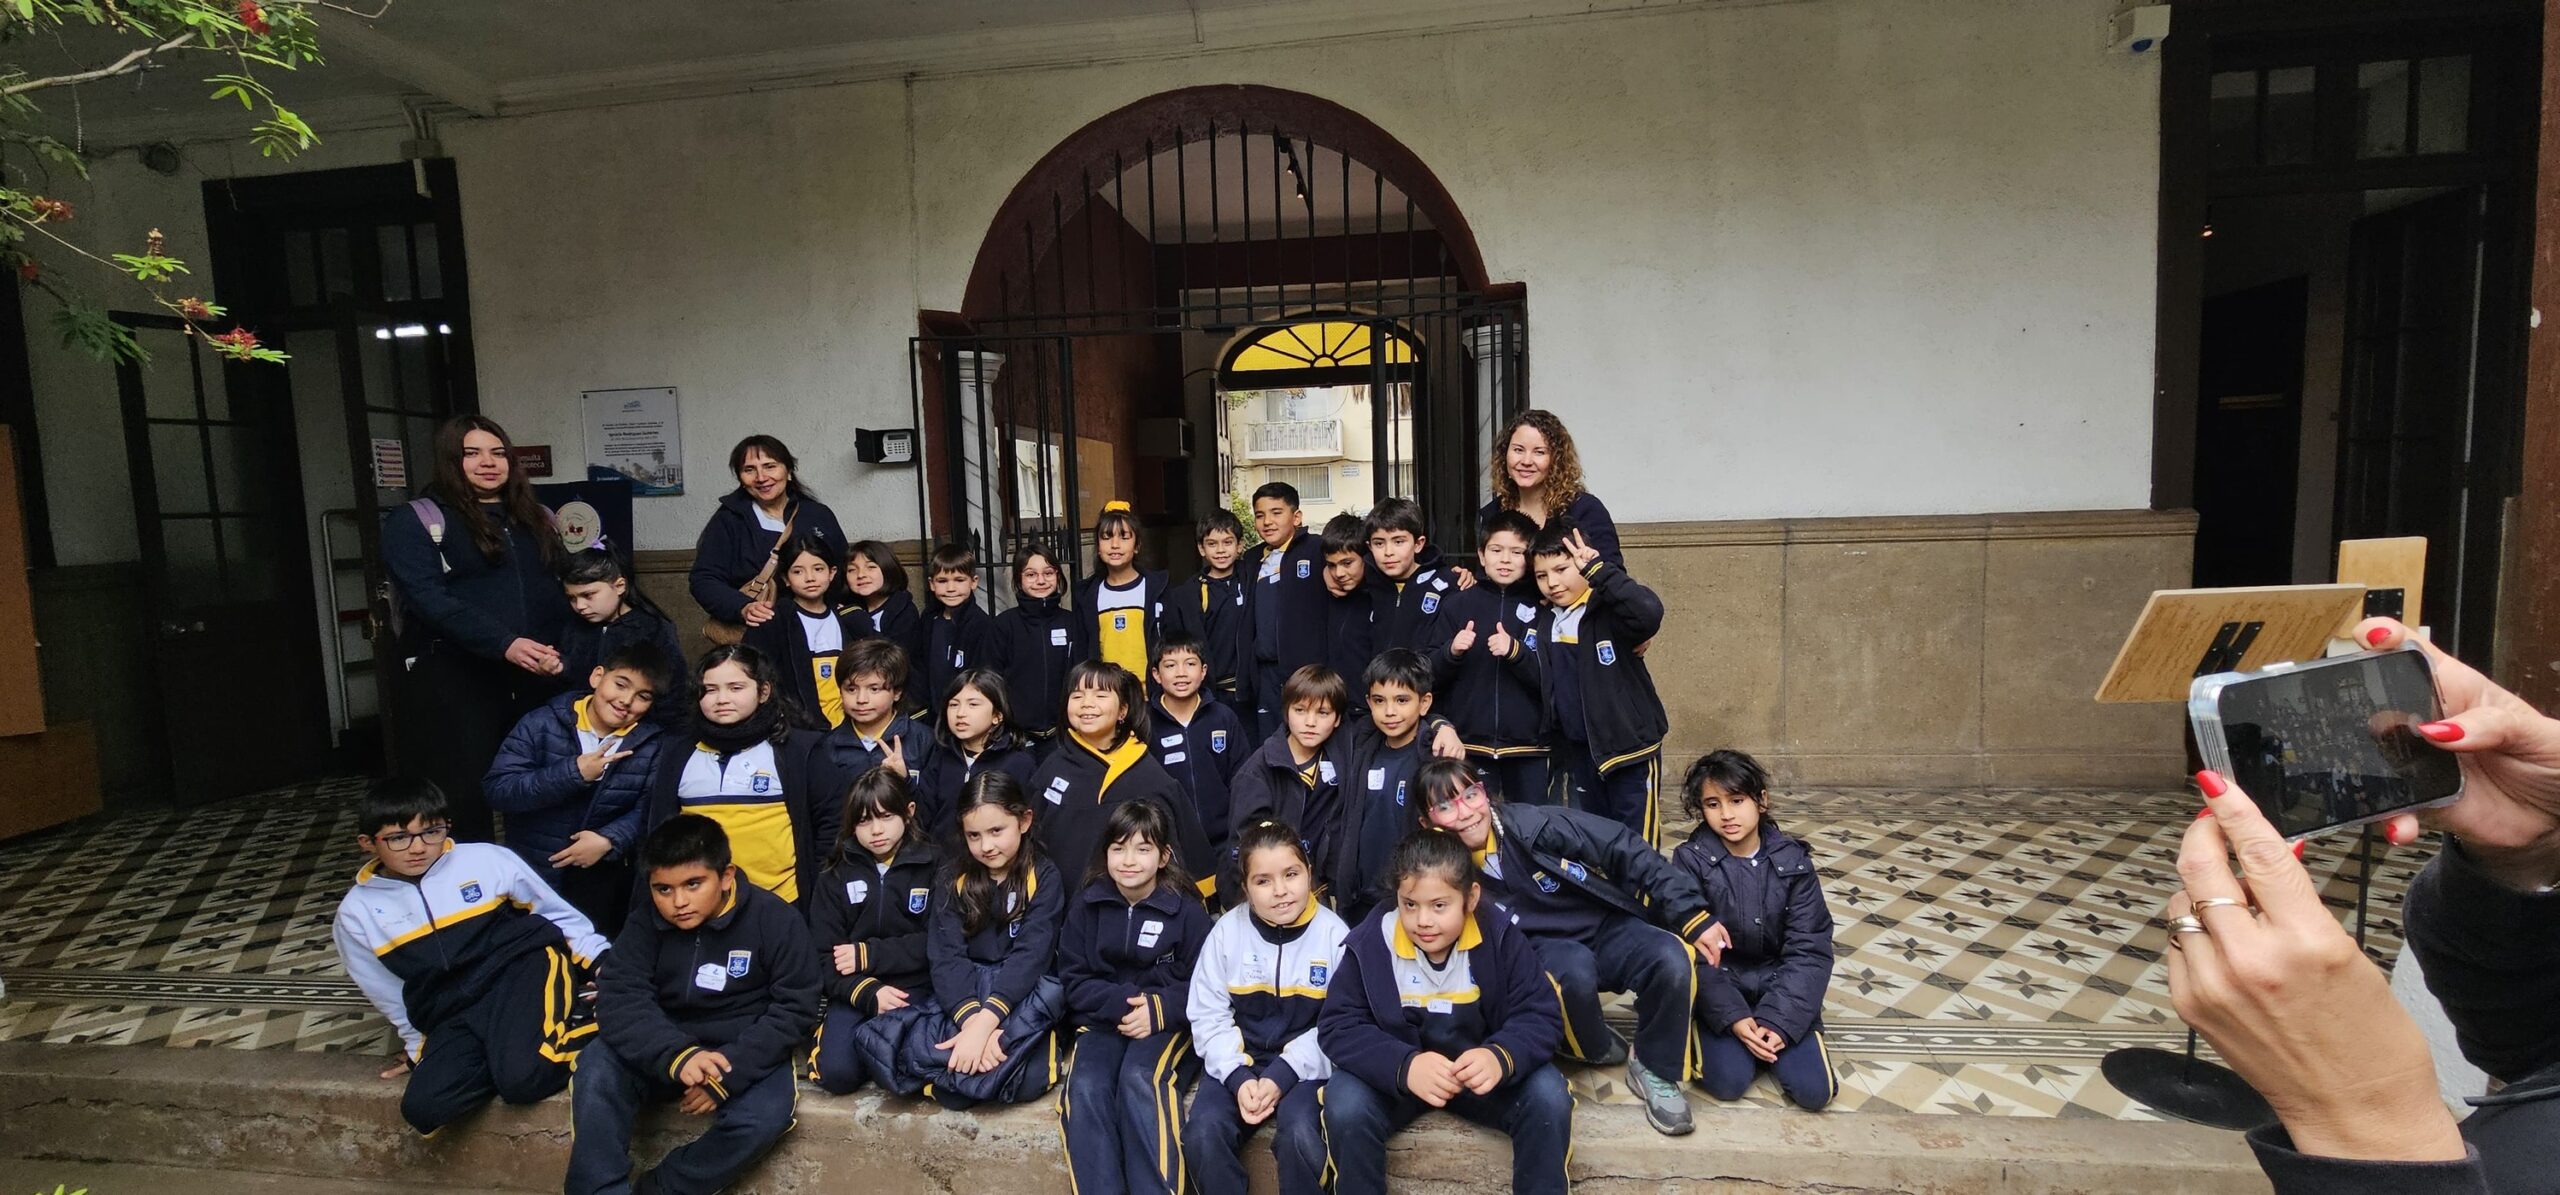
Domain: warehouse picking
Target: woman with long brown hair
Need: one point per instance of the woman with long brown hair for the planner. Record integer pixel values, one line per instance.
(738, 546)
(1537, 472)
(483, 611)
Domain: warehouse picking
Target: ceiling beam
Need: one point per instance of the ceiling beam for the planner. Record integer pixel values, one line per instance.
(422, 69)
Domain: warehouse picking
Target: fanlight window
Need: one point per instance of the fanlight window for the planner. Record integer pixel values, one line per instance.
(1328, 345)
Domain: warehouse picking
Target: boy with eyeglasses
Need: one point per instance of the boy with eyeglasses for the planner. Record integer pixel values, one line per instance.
(461, 943)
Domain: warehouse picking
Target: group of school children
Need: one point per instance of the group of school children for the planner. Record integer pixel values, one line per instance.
(950, 853)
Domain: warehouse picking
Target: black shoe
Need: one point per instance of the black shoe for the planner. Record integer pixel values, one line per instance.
(1613, 1050)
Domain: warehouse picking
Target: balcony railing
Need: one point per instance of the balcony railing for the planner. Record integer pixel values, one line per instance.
(1299, 439)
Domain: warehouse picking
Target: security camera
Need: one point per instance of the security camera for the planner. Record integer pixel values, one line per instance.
(2138, 30)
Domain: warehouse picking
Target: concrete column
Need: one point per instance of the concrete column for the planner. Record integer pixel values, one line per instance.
(2530, 625)
(978, 487)
(1494, 352)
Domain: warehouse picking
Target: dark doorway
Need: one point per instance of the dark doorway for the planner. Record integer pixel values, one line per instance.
(2248, 434)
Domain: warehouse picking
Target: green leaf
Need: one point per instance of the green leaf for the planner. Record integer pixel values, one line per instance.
(89, 330)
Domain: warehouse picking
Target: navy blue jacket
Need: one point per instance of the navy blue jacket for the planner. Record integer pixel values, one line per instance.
(1351, 641)
(1111, 950)
(1623, 719)
(1292, 602)
(1603, 860)
(583, 645)
(1586, 513)
(938, 780)
(1074, 791)
(1780, 962)
(534, 781)
(1203, 757)
(812, 789)
(897, 621)
(1494, 703)
(1360, 858)
(733, 549)
(883, 915)
(784, 640)
(964, 639)
(1365, 1031)
(1213, 610)
(916, 744)
(1035, 643)
(481, 605)
(1270, 784)
(1021, 947)
(1409, 614)
(653, 1009)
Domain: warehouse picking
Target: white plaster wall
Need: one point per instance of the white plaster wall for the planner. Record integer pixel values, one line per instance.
(1835, 258)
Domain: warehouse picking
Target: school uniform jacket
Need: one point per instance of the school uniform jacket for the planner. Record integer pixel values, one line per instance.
(1364, 1028)
(744, 983)
(1256, 992)
(1493, 701)
(882, 915)
(1780, 962)
(1409, 611)
(459, 599)
(424, 952)
(1033, 646)
(852, 756)
(1351, 641)
(1124, 624)
(1021, 944)
(808, 807)
(534, 781)
(733, 548)
(1203, 757)
(1602, 859)
(1074, 791)
(584, 645)
(964, 639)
(1588, 515)
(938, 781)
(1271, 784)
(1213, 610)
(1359, 858)
(810, 677)
(1623, 719)
(1288, 607)
(898, 621)
(1110, 951)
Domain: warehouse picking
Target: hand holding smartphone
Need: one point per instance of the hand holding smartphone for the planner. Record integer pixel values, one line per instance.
(2328, 744)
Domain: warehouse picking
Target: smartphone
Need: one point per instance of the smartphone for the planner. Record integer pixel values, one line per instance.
(2327, 744)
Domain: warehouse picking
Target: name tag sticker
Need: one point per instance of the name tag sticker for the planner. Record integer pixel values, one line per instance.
(1171, 740)
(1148, 933)
(711, 977)
(1438, 1005)
(1173, 757)
(1525, 612)
(857, 891)
(1377, 779)
(1057, 636)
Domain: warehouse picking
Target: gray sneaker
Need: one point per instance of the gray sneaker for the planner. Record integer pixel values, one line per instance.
(1664, 1107)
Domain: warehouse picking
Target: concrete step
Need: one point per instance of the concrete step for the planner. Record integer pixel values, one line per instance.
(328, 1117)
(19, 1176)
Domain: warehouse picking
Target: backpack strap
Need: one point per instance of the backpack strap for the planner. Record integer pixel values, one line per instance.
(431, 516)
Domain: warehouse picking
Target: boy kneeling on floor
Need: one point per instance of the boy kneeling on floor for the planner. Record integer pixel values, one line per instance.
(708, 993)
(461, 942)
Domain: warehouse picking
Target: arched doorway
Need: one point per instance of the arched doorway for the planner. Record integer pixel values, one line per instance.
(1097, 350)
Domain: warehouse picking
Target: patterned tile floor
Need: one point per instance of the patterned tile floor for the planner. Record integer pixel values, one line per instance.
(1992, 946)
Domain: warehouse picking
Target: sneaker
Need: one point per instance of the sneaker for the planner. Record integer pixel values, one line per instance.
(1664, 1107)
(1613, 1050)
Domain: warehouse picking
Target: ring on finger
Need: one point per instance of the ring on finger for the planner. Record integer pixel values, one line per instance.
(2184, 924)
(2216, 902)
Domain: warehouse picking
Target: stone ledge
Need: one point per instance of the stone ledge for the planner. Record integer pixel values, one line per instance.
(2051, 524)
(327, 1116)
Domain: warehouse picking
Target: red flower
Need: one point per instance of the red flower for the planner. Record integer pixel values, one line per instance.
(195, 309)
(237, 340)
(56, 210)
(29, 269)
(253, 17)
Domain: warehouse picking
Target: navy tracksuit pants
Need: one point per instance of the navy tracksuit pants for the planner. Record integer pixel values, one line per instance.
(836, 1065)
(513, 1043)
(1524, 778)
(1213, 1138)
(1626, 794)
(605, 1101)
(1803, 1069)
(1627, 955)
(1122, 1111)
(1536, 1113)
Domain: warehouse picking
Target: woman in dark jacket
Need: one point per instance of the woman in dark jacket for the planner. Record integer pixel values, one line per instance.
(1760, 1001)
(769, 506)
(1537, 472)
(473, 562)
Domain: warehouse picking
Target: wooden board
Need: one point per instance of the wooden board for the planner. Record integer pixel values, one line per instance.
(1097, 482)
(2178, 626)
(21, 693)
(47, 779)
(2385, 564)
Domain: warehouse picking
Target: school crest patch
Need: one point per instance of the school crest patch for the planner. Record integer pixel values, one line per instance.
(1547, 883)
(1013, 929)
(1607, 652)
(1577, 871)
(826, 670)
(1399, 794)
(1318, 974)
(915, 899)
(1530, 641)
(1430, 603)
(739, 962)
(1119, 622)
(761, 783)
(471, 892)
(1304, 569)
(1218, 741)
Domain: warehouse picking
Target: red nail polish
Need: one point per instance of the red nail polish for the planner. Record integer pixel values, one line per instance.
(2211, 783)
(2377, 635)
(2297, 851)
(2204, 813)
(2441, 732)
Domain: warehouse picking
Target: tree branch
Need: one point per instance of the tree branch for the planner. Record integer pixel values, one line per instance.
(350, 10)
(126, 65)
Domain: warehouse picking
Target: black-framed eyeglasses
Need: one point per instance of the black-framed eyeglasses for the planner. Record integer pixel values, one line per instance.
(401, 840)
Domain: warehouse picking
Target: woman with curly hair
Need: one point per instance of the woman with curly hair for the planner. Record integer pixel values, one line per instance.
(1537, 472)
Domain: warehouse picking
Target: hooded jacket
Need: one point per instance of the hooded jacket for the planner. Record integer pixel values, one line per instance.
(1033, 646)
(882, 915)
(1409, 611)
(1074, 790)
(1623, 721)
(812, 799)
(1602, 859)
(1212, 610)
(534, 781)
(784, 639)
(1020, 943)
(1203, 756)
(1779, 965)
(1493, 701)
(898, 621)
(963, 639)
(732, 549)
(938, 781)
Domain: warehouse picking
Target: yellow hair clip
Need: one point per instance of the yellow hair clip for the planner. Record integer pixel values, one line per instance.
(1114, 505)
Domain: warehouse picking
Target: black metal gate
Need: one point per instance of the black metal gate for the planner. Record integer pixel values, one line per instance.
(1006, 460)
